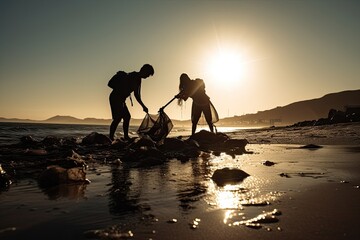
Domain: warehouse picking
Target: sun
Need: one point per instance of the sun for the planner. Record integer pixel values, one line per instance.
(226, 67)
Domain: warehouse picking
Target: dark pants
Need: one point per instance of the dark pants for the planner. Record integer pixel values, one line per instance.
(119, 112)
(196, 111)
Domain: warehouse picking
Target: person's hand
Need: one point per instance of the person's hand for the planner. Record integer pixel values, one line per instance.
(145, 109)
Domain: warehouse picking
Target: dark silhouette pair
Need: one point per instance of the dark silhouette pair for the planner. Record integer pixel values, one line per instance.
(123, 84)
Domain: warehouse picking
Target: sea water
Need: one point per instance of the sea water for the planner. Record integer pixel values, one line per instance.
(11, 133)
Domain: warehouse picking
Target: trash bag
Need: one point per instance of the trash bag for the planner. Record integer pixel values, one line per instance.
(156, 126)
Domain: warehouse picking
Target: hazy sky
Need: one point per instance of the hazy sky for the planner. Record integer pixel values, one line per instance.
(56, 57)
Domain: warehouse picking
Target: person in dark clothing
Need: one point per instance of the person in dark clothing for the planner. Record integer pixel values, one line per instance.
(195, 89)
(119, 94)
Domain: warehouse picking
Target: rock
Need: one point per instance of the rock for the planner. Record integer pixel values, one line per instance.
(142, 143)
(70, 159)
(206, 137)
(96, 138)
(69, 142)
(228, 176)
(268, 163)
(173, 144)
(179, 149)
(51, 141)
(28, 141)
(236, 143)
(55, 175)
(118, 144)
(311, 146)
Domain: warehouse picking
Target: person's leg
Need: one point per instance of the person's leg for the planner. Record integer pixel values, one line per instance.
(208, 117)
(113, 126)
(195, 116)
(126, 116)
(115, 105)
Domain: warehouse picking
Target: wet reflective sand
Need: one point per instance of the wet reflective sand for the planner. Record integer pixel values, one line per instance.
(305, 194)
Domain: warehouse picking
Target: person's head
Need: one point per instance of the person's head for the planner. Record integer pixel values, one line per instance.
(184, 83)
(146, 71)
(184, 80)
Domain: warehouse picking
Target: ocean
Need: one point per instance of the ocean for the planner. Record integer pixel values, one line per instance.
(10, 133)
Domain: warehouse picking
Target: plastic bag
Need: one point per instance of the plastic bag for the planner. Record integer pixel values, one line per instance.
(156, 126)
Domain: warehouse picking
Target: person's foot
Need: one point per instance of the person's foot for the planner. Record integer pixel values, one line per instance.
(111, 138)
(126, 139)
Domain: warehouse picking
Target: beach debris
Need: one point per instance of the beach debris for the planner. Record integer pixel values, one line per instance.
(5, 180)
(96, 138)
(228, 176)
(69, 159)
(284, 175)
(344, 181)
(254, 202)
(55, 175)
(111, 234)
(194, 224)
(174, 220)
(76, 159)
(36, 152)
(268, 163)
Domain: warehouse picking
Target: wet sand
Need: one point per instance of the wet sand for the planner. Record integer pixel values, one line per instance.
(306, 193)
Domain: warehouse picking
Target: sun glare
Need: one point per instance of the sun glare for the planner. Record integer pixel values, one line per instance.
(226, 67)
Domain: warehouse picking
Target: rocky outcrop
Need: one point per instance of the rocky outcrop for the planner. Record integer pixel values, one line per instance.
(59, 161)
(351, 114)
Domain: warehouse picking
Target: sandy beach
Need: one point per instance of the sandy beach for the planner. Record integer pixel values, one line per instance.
(291, 193)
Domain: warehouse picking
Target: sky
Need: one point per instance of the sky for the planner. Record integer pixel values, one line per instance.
(56, 57)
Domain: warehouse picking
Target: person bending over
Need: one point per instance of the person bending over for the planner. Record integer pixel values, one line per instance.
(195, 89)
(123, 84)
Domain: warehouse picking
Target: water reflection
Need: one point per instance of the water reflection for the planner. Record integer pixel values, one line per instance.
(120, 200)
(74, 191)
(195, 187)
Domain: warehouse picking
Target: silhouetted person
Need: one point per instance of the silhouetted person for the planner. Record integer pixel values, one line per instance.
(195, 89)
(123, 84)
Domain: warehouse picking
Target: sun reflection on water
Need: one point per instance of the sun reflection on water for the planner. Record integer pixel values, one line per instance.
(235, 197)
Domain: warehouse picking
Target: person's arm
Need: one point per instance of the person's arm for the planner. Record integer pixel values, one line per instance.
(182, 95)
(138, 98)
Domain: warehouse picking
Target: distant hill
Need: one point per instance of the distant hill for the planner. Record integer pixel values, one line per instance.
(289, 114)
(298, 111)
(63, 119)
